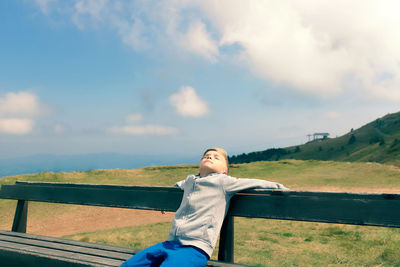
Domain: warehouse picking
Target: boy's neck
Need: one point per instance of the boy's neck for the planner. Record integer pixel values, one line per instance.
(207, 173)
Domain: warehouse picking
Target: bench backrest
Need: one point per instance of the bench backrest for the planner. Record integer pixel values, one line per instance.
(344, 208)
(134, 197)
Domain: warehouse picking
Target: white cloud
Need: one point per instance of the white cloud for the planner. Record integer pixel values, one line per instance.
(143, 130)
(133, 34)
(44, 5)
(198, 40)
(133, 118)
(188, 103)
(16, 126)
(331, 115)
(17, 111)
(22, 104)
(315, 46)
(312, 46)
(94, 9)
(133, 127)
(125, 18)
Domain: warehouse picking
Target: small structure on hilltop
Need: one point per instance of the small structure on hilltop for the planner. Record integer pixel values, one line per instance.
(317, 136)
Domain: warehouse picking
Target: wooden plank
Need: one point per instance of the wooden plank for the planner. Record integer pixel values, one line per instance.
(213, 263)
(13, 258)
(346, 208)
(20, 217)
(43, 246)
(127, 251)
(166, 199)
(66, 247)
(100, 186)
(61, 255)
(226, 240)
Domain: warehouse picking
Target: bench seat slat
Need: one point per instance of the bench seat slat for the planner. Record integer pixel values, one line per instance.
(69, 242)
(66, 248)
(36, 246)
(64, 255)
(15, 258)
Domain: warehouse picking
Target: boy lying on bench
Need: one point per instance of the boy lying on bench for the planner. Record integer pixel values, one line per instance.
(198, 220)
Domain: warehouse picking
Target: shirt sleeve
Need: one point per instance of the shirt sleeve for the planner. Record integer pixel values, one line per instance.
(180, 184)
(233, 185)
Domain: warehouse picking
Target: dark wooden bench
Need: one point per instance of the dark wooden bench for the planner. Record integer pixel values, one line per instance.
(17, 248)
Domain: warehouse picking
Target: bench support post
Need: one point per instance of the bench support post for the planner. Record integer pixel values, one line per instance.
(20, 218)
(226, 240)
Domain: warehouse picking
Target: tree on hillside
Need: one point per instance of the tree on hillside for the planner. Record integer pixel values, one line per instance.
(352, 139)
(395, 146)
(395, 143)
(379, 123)
(269, 154)
(377, 139)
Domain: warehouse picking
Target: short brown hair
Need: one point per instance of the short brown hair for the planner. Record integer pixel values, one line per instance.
(220, 151)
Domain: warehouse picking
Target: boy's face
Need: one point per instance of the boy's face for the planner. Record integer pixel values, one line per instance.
(212, 162)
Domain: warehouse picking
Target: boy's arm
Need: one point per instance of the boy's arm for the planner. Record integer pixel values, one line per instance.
(233, 185)
(180, 184)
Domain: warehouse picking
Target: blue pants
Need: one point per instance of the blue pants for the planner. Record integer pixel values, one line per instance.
(168, 254)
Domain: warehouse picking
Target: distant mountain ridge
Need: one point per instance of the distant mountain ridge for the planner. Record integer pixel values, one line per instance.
(377, 141)
(68, 163)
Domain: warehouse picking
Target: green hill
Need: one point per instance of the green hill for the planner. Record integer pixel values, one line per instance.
(377, 141)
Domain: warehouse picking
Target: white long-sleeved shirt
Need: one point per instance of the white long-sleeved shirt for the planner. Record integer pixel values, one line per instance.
(204, 205)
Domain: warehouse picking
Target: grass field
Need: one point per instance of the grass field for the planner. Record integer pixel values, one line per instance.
(281, 243)
(258, 242)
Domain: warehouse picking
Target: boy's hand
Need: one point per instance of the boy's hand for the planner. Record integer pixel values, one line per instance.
(282, 187)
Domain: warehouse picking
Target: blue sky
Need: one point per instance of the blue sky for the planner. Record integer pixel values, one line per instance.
(176, 77)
